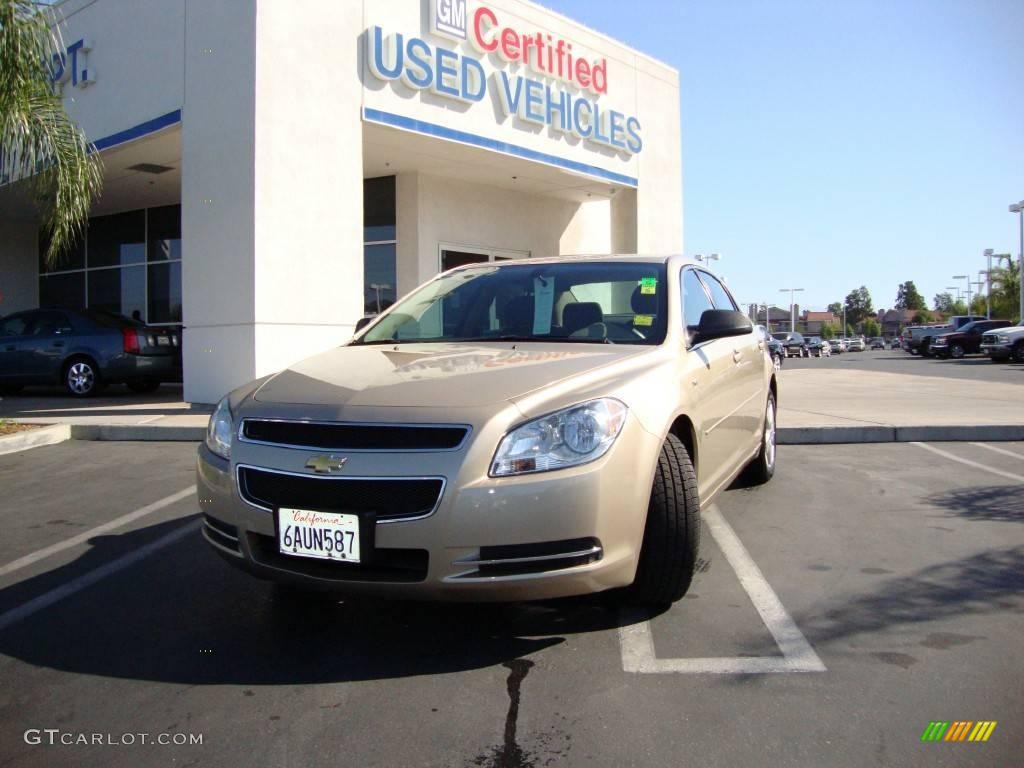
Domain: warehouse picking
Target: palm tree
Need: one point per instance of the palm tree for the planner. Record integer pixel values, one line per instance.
(38, 142)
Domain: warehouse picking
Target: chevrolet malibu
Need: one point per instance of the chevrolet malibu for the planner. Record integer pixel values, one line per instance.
(510, 431)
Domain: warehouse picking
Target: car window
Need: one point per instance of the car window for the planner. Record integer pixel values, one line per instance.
(14, 325)
(572, 302)
(695, 299)
(48, 323)
(719, 295)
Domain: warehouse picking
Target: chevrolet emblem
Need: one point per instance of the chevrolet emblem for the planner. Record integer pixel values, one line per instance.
(324, 465)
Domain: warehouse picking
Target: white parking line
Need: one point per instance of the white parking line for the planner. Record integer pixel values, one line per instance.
(1000, 450)
(969, 463)
(797, 654)
(74, 541)
(47, 599)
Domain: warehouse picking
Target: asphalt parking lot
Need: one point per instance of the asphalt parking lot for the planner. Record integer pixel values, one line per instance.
(974, 367)
(865, 592)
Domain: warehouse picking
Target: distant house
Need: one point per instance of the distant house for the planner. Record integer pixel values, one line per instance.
(813, 321)
(893, 321)
(777, 318)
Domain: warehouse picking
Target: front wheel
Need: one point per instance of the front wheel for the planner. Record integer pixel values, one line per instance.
(1018, 352)
(671, 540)
(956, 351)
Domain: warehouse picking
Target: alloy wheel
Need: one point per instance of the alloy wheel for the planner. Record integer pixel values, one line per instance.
(81, 378)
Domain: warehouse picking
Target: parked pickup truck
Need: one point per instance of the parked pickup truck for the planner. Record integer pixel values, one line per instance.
(918, 338)
(1004, 343)
(966, 341)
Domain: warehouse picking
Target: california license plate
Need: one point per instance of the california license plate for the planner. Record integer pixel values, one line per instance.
(163, 341)
(322, 535)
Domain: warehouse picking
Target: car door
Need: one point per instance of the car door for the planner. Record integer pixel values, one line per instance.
(746, 413)
(44, 345)
(12, 331)
(709, 385)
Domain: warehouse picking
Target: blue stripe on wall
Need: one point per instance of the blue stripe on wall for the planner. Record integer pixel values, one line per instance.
(441, 132)
(140, 130)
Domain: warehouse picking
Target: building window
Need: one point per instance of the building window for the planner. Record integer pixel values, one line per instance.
(379, 243)
(127, 263)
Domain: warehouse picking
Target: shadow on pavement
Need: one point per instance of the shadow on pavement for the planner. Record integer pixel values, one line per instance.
(1000, 503)
(183, 616)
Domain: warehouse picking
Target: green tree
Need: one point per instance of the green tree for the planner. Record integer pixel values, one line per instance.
(858, 305)
(944, 303)
(908, 297)
(921, 318)
(39, 144)
(870, 328)
(828, 331)
(836, 308)
(1006, 292)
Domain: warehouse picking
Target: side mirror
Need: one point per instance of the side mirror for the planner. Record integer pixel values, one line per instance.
(362, 322)
(720, 324)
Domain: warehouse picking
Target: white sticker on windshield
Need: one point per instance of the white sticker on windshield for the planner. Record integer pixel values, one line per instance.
(543, 301)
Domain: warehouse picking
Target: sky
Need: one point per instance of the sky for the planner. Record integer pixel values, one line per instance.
(829, 145)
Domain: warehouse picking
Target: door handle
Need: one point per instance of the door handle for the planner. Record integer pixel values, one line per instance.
(737, 355)
(760, 346)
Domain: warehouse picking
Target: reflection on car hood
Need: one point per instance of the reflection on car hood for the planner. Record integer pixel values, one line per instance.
(440, 375)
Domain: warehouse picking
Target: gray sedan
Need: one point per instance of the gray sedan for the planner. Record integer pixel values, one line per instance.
(85, 350)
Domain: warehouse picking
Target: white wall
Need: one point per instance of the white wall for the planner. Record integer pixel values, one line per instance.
(273, 265)
(137, 60)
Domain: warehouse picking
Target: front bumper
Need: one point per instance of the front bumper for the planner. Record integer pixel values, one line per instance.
(538, 536)
(998, 350)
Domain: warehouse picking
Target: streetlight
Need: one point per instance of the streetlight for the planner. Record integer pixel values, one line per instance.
(792, 307)
(968, 279)
(706, 259)
(987, 253)
(959, 292)
(378, 287)
(1018, 208)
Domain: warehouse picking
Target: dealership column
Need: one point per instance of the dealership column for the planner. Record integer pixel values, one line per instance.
(271, 187)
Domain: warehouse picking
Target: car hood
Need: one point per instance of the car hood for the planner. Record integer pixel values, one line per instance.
(435, 375)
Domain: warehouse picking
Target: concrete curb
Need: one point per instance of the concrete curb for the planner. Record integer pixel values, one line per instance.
(142, 432)
(33, 438)
(882, 434)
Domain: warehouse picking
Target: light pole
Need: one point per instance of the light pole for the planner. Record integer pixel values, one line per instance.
(968, 279)
(987, 253)
(707, 259)
(959, 291)
(1018, 208)
(792, 307)
(378, 287)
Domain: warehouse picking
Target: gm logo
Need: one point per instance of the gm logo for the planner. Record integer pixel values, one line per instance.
(448, 18)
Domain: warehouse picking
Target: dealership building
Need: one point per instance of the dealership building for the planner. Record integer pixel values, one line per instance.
(275, 170)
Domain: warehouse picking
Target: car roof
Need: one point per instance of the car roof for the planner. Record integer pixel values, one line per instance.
(580, 258)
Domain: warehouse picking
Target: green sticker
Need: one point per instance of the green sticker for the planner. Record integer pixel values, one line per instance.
(643, 319)
(648, 286)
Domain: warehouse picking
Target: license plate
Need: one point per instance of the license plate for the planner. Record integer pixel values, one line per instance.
(163, 341)
(321, 535)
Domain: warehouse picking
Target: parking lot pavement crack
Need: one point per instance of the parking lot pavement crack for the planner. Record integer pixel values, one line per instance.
(510, 754)
(858, 420)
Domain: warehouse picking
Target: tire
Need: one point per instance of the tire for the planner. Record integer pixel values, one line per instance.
(671, 541)
(81, 377)
(762, 468)
(956, 351)
(1018, 352)
(142, 386)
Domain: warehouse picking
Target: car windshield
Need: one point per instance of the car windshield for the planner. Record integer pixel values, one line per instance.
(574, 302)
(780, 336)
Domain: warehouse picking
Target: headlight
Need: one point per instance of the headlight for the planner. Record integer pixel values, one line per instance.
(218, 431)
(566, 438)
